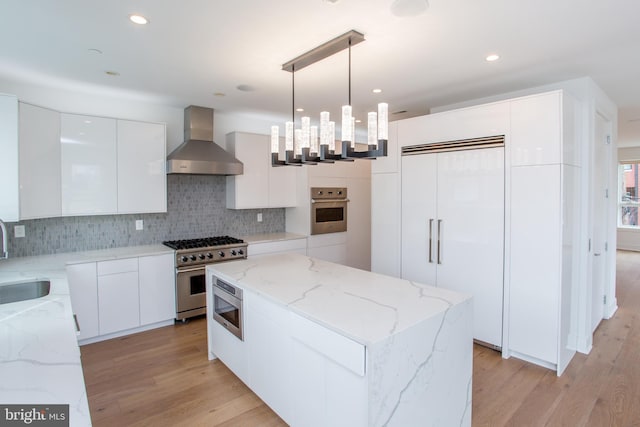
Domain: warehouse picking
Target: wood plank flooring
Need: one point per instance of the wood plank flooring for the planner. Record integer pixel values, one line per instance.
(163, 378)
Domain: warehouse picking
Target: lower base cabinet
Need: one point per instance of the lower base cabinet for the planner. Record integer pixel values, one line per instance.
(115, 296)
(315, 377)
(83, 287)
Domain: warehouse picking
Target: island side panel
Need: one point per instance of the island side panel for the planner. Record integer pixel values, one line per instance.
(422, 376)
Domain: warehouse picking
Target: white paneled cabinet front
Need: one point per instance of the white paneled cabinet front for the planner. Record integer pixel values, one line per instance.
(157, 288)
(9, 188)
(270, 353)
(453, 229)
(260, 185)
(39, 133)
(83, 289)
(118, 295)
(141, 167)
(89, 165)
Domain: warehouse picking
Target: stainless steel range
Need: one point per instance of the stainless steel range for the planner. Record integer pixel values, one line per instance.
(192, 256)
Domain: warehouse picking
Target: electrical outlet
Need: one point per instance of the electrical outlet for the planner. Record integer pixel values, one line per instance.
(260, 217)
(18, 231)
(139, 224)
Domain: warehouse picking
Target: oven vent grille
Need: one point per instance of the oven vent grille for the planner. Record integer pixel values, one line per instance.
(456, 145)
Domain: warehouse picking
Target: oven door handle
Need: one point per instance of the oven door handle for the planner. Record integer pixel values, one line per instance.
(330, 200)
(186, 270)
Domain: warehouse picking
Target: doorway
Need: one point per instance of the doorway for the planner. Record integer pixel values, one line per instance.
(600, 199)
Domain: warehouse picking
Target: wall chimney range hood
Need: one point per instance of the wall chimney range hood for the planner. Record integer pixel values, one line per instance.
(198, 154)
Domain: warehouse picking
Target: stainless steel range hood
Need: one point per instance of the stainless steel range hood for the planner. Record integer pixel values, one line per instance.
(198, 154)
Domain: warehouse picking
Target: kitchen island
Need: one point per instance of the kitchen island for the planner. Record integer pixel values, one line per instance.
(325, 344)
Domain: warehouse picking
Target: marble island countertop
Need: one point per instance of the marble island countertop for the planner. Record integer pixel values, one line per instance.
(39, 353)
(364, 306)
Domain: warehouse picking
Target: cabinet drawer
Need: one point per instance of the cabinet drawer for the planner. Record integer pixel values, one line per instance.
(275, 247)
(338, 348)
(117, 266)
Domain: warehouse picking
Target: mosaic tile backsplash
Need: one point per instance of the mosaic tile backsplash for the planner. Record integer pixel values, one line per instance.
(195, 208)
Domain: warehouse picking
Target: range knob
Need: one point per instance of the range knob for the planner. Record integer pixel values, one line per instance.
(201, 256)
(221, 253)
(240, 252)
(184, 258)
(209, 255)
(192, 257)
(233, 252)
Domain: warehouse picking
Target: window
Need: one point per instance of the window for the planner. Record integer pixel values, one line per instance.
(629, 180)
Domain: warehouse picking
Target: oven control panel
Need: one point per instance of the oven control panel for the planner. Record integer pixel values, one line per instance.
(210, 255)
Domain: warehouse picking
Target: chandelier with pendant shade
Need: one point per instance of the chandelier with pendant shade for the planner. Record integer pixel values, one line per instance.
(317, 144)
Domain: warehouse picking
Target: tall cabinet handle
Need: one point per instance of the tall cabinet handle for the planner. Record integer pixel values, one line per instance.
(439, 229)
(430, 239)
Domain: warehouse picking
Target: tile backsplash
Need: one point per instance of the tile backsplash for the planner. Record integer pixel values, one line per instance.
(195, 208)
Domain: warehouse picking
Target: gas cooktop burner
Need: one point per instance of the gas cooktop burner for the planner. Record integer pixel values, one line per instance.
(205, 242)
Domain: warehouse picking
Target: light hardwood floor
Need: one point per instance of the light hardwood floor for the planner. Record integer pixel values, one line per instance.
(163, 378)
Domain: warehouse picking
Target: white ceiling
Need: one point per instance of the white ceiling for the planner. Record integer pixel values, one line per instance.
(192, 49)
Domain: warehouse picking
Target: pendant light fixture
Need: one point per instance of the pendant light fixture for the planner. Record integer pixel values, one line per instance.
(302, 145)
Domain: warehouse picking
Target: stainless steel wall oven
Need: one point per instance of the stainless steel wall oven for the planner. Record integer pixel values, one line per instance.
(328, 210)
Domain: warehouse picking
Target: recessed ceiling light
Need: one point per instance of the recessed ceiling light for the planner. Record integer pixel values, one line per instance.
(406, 8)
(377, 91)
(299, 110)
(94, 51)
(112, 73)
(245, 88)
(492, 57)
(331, 1)
(358, 121)
(138, 19)
(220, 94)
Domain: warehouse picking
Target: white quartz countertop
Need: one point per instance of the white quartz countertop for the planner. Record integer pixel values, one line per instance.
(364, 306)
(39, 353)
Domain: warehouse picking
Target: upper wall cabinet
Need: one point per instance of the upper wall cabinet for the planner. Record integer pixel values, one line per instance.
(112, 166)
(542, 130)
(261, 185)
(9, 201)
(88, 154)
(142, 180)
(39, 136)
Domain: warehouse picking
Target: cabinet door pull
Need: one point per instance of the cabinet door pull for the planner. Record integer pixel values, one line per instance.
(75, 319)
(430, 239)
(439, 229)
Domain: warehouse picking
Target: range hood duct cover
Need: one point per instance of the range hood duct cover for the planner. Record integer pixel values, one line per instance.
(198, 154)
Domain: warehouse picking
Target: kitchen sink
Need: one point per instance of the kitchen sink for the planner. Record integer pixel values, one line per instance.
(23, 290)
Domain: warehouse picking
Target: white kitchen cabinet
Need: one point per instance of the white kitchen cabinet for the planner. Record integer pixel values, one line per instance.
(83, 289)
(157, 288)
(142, 179)
(544, 235)
(259, 249)
(385, 209)
(40, 171)
(260, 185)
(9, 190)
(268, 344)
(118, 297)
(453, 229)
(89, 165)
(385, 224)
(330, 247)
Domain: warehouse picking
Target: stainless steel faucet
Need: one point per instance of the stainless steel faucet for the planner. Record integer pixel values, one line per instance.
(4, 253)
